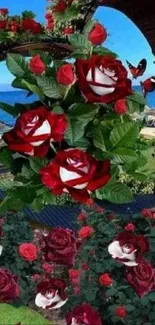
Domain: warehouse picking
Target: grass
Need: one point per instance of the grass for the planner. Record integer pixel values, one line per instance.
(10, 315)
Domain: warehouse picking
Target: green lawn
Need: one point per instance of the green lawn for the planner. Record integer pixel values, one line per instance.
(12, 316)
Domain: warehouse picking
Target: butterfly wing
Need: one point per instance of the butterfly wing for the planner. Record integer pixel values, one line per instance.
(141, 68)
(148, 85)
(132, 69)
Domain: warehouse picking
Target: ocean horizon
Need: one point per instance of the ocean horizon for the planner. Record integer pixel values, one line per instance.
(19, 96)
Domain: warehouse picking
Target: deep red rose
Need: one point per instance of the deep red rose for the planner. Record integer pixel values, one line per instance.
(127, 248)
(68, 31)
(85, 232)
(36, 65)
(51, 293)
(76, 172)
(4, 12)
(142, 278)
(120, 312)
(146, 213)
(3, 24)
(82, 216)
(105, 280)
(29, 24)
(47, 267)
(66, 75)
(73, 274)
(28, 251)
(34, 130)
(61, 6)
(98, 34)
(60, 246)
(102, 79)
(9, 288)
(120, 107)
(130, 227)
(83, 314)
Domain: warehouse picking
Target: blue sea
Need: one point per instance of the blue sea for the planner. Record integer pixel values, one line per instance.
(12, 97)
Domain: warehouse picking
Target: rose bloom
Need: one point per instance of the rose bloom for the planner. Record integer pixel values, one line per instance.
(105, 280)
(61, 6)
(130, 227)
(120, 107)
(120, 312)
(146, 213)
(83, 314)
(51, 294)
(60, 246)
(102, 79)
(4, 12)
(28, 251)
(85, 232)
(36, 65)
(127, 248)
(29, 24)
(66, 75)
(47, 267)
(34, 130)
(142, 278)
(75, 172)
(98, 34)
(82, 216)
(73, 274)
(9, 288)
(3, 24)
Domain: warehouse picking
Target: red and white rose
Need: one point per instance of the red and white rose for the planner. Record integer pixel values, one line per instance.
(102, 79)
(127, 248)
(9, 287)
(51, 294)
(75, 172)
(34, 130)
(83, 314)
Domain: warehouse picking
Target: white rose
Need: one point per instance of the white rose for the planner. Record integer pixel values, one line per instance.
(47, 300)
(124, 253)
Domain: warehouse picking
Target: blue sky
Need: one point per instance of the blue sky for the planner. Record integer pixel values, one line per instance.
(124, 37)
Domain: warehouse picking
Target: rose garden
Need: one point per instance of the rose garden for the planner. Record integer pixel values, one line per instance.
(72, 146)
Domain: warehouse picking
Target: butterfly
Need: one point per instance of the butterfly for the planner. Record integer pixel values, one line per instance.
(148, 85)
(139, 70)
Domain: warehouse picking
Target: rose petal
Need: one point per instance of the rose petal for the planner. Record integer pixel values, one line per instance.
(45, 128)
(100, 78)
(1, 249)
(44, 302)
(115, 250)
(67, 175)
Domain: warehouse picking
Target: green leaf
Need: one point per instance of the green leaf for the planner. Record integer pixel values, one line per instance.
(133, 106)
(115, 192)
(88, 27)
(152, 296)
(16, 64)
(123, 155)
(79, 41)
(49, 86)
(6, 157)
(32, 88)
(98, 137)
(104, 51)
(148, 169)
(27, 194)
(124, 134)
(84, 112)
(37, 163)
(137, 98)
(8, 108)
(75, 131)
(58, 109)
(83, 143)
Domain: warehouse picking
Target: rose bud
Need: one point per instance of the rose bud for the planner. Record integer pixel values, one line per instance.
(82, 216)
(36, 65)
(85, 232)
(105, 280)
(4, 12)
(120, 107)
(98, 35)
(66, 75)
(146, 213)
(130, 227)
(47, 267)
(28, 251)
(73, 274)
(3, 24)
(120, 312)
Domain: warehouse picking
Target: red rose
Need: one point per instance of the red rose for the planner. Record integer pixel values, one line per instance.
(61, 6)
(68, 31)
(66, 75)
(127, 248)
(9, 288)
(85, 232)
(60, 246)
(36, 277)
(120, 106)
(76, 172)
(141, 278)
(98, 35)
(47, 267)
(34, 130)
(146, 213)
(105, 280)
(28, 251)
(4, 12)
(51, 294)
(120, 312)
(102, 79)
(3, 24)
(36, 65)
(73, 274)
(83, 314)
(82, 216)
(130, 227)
(29, 24)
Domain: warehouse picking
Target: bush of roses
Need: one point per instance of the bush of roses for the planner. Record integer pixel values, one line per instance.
(113, 278)
(80, 135)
